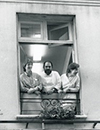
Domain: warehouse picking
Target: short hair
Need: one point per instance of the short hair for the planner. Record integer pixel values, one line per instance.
(46, 62)
(24, 67)
(72, 66)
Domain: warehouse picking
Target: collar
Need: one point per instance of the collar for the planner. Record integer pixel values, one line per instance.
(47, 75)
(27, 74)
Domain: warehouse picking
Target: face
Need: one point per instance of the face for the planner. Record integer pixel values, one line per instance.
(29, 67)
(73, 72)
(48, 68)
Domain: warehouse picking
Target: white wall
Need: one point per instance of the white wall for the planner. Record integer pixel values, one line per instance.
(8, 65)
(88, 28)
(88, 44)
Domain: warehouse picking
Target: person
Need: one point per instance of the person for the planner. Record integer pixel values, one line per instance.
(30, 82)
(51, 79)
(70, 83)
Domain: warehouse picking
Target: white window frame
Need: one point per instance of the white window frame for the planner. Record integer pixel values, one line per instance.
(24, 22)
(63, 26)
(72, 37)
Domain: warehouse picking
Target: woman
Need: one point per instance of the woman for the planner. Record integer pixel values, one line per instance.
(70, 83)
(30, 82)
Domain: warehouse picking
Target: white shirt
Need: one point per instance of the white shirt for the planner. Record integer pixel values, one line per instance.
(51, 81)
(73, 82)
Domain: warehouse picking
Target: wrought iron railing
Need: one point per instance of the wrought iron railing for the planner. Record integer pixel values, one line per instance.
(50, 106)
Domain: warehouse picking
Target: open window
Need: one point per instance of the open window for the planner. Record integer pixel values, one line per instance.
(46, 37)
(60, 32)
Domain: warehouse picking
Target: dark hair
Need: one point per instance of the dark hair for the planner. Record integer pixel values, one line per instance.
(24, 67)
(28, 62)
(72, 66)
(46, 62)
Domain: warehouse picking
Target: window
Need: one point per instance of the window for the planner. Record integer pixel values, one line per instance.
(31, 30)
(61, 32)
(46, 37)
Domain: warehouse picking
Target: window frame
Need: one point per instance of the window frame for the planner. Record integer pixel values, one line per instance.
(25, 22)
(63, 26)
(72, 38)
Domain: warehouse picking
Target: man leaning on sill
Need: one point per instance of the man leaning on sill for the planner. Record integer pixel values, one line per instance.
(51, 78)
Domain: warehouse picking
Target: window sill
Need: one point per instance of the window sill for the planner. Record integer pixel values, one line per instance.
(80, 116)
(37, 118)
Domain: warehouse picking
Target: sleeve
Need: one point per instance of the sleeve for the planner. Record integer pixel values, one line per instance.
(78, 83)
(39, 84)
(65, 81)
(58, 81)
(22, 86)
(75, 84)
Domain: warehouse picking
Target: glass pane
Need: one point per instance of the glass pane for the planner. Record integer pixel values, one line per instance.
(31, 30)
(59, 34)
(43, 52)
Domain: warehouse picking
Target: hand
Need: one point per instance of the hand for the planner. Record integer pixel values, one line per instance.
(39, 88)
(66, 90)
(31, 90)
(69, 90)
(55, 90)
(49, 92)
(37, 92)
(60, 91)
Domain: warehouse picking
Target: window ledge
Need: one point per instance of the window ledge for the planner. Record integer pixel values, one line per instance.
(25, 117)
(81, 116)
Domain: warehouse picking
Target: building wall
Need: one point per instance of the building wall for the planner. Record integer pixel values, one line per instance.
(88, 44)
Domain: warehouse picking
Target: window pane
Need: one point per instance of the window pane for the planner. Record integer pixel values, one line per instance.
(46, 52)
(31, 30)
(59, 34)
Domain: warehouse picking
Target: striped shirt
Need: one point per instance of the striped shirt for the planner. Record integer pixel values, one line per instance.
(70, 83)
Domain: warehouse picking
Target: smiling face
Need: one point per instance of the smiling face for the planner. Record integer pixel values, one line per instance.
(48, 68)
(28, 69)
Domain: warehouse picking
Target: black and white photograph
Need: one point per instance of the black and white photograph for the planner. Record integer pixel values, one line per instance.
(49, 65)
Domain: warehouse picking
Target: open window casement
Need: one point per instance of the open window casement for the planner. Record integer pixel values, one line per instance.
(53, 40)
